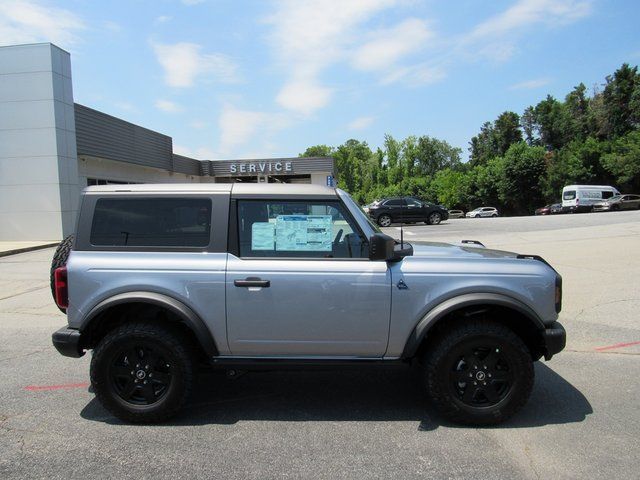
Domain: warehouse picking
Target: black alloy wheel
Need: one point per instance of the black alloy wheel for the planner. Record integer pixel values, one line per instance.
(142, 372)
(478, 372)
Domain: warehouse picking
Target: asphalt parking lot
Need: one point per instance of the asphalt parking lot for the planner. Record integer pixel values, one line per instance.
(582, 421)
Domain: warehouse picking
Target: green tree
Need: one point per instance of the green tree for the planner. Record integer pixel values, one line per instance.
(617, 97)
(520, 188)
(623, 162)
(318, 151)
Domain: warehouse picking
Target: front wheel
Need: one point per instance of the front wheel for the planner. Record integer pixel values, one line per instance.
(384, 220)
(477, 215)
(495, 215)
(479, 373)
(434, 219)
(142, 372)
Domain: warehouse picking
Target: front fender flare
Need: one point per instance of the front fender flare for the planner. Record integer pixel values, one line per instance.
(183, 312)
(429, 320)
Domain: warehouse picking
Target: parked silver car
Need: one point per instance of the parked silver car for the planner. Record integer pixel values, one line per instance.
(456, 214)
(161, 280)
(482, 212)
(618, 202)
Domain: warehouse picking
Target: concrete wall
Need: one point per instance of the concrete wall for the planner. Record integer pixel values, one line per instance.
(38, 159)
(101, 168)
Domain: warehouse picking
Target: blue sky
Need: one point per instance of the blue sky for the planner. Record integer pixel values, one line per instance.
(239, 79)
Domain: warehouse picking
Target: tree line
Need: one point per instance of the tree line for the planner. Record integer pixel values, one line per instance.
(517, 162)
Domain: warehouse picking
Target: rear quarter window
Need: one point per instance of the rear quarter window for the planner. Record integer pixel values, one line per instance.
(151, 222)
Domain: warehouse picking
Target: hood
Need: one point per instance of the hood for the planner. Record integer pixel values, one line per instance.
(447, 250)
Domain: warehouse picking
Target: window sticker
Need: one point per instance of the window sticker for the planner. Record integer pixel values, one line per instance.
(304, 233)
(262, 235)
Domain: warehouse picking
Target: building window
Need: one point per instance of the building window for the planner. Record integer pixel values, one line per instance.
(102, 181)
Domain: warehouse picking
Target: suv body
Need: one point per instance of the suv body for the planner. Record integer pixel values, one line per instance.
(406, 210)
(482, 212)
(243, 276)
(618, 202)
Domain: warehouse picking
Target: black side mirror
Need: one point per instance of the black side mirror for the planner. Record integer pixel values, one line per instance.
(381, 247)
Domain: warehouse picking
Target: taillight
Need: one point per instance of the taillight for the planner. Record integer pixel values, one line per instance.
(60, 287)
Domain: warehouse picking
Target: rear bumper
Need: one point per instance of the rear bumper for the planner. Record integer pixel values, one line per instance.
(67, 342)
(554, 339)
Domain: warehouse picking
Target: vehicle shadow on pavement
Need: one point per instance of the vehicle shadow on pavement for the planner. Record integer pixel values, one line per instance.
(354, 394)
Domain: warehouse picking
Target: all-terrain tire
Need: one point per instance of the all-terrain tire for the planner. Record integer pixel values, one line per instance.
(60, 260)
(133, 346)
(450, 370)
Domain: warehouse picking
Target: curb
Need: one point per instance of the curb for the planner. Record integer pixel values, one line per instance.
(6, 253)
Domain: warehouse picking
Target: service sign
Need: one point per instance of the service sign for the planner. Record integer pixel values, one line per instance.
(261, 168)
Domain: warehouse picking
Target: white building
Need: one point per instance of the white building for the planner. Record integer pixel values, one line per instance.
(51, 148)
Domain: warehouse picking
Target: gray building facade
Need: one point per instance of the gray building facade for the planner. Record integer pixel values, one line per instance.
(51, 148)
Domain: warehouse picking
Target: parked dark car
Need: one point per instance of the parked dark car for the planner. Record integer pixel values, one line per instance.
(406, 210)
(556, 208)
(551, 209)
(546, 210)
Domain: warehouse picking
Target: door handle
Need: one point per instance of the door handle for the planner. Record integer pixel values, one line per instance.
(252, 282)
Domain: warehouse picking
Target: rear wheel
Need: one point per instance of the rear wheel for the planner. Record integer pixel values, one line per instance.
(479, 373)
(494, 214)
(60, 258)
(434, 218)
(384, 220)
(142, 372)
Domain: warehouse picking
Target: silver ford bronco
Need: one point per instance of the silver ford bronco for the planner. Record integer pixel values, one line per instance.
(161, 279)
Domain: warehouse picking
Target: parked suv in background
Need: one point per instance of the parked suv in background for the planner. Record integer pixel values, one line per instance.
(483, 212)
(406, 210)
(161, 280)
(618, 202)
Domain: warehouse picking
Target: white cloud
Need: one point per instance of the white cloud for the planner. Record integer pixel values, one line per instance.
(528, 12)
(238, 127)
(388, 46)
(25, 21)
(162, 19)
(192, 2)
(198, 124)
(415, 75)
(303, 95)
(361, 123)
(530, 84)
(310, 35)
(183, 64)
(495, 38)
(167, 106)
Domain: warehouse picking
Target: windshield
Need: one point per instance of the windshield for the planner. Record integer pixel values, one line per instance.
(569, 195)
(614, 198)
(361, 216)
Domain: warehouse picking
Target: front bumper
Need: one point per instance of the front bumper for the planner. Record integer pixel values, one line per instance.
(554, 339)
(67, 342)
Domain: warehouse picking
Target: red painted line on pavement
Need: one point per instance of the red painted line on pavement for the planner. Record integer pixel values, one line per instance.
(36, 388)
(617, 345)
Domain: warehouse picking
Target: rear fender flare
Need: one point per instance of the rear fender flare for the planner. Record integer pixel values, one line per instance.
(182, 311)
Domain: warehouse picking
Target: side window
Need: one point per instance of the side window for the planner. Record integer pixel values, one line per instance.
(297, 229)
(607, 194)
(411, 202)
(151, 222)
(394, 203)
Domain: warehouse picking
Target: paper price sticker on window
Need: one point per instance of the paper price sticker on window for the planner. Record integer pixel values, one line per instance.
(262, 235)
(303, 233)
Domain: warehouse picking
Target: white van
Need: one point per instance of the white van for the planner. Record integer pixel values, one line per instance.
(581, 198)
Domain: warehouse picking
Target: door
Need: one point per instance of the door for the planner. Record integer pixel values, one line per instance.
(395, 208)
(300, 283)
(415, 210)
